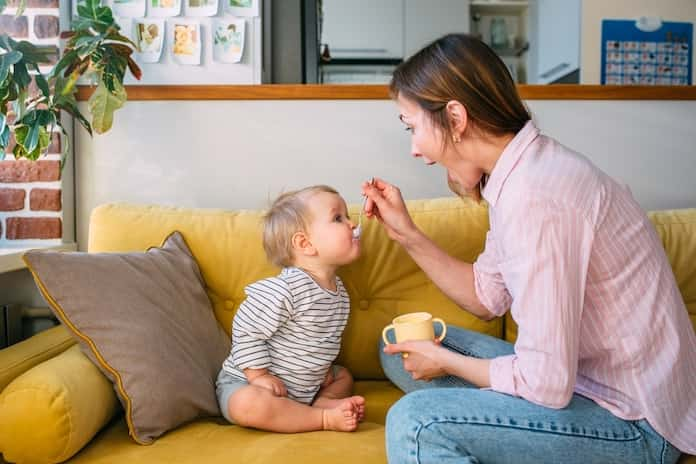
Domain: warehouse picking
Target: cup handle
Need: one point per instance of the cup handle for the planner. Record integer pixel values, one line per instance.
(384, 333)
(444, 328)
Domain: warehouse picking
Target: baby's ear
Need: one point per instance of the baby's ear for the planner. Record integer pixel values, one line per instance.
(301, 244)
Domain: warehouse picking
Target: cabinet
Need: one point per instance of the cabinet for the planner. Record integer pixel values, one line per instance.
(388, 29)
(425, 21)
(363, 29)
(502, 24)
(554, 39)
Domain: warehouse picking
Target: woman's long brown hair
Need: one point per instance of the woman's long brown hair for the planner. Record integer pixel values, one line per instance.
(462, 68)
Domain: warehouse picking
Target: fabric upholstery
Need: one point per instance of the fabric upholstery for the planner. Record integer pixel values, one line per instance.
(52, 410)
(382, 284)
(26, 354)
(144, 318)
(212, 441)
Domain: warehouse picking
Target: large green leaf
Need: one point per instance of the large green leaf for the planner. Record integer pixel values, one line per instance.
(6, 61)
(35, 53)
(23, 134)
(4, 133)
(102, 104)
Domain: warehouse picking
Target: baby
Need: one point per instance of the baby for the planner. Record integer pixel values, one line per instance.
(280, 374)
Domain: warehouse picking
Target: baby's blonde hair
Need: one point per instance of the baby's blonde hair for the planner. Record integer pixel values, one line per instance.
(287, 215)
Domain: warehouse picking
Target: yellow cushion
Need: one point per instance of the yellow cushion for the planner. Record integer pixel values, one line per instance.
(52, 410)
(677, 230)
(212, 441)
(379, 396)
(24, 355)
(382, 284)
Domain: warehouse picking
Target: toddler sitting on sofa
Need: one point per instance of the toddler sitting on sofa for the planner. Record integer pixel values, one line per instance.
(286, 334)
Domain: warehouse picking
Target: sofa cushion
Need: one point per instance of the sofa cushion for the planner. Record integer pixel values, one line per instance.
(52, 410)
(382, 284)
(212, 441)
(677, 230)
(145, 320)
(22, 356)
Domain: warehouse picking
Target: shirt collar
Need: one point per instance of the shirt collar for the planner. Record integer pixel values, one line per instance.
(507, 161)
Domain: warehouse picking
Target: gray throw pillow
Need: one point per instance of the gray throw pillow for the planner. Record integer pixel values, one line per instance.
(146, 321)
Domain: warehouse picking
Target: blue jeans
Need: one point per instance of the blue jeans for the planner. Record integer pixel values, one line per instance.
(447, 420)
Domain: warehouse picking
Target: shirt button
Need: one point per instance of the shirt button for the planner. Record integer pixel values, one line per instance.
(229, 305)
(363, 305)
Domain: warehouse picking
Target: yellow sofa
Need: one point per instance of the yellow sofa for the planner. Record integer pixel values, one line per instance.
(73, 413)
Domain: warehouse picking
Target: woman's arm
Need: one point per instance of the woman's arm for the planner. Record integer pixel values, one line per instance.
(454, 277)
(427, 360)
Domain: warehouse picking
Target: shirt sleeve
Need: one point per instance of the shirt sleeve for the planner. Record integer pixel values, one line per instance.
(488, 281)
(267, 307)
(547, 253)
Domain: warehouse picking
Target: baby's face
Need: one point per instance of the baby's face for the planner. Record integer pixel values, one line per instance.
(331, 230)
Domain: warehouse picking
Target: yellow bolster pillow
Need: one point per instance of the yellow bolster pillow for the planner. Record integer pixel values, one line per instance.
(52, 410)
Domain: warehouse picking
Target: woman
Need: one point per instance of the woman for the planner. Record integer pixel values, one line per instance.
(603, 367)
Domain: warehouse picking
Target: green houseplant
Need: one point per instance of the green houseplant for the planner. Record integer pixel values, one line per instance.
(95, 49)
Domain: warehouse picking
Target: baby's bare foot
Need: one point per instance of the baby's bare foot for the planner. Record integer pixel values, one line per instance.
(358, 403)
(343, 417)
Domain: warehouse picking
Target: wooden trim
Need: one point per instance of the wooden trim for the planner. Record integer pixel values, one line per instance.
(380, 92)
(606, 92)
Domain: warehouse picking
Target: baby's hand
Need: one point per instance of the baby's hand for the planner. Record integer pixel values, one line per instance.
(272, 383)
(328, 380)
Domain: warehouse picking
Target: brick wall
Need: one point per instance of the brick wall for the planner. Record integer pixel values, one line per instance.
(30, 192)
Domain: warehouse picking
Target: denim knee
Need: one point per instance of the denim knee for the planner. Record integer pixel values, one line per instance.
(405, 421)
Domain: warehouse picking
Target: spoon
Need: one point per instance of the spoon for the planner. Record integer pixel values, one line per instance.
(357, 232)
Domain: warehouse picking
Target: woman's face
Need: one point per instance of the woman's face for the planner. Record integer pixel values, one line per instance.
(427, 143)
(426, 139)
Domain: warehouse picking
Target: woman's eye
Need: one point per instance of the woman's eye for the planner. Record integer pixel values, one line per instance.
(408, 129)
(337, 218)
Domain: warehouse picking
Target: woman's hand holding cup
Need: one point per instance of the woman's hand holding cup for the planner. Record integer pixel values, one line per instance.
(416, 341)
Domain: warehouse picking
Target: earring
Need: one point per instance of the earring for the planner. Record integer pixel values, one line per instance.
(456, 139)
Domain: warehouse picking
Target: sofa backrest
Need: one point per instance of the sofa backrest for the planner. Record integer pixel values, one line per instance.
(382, 284)
(677, 230)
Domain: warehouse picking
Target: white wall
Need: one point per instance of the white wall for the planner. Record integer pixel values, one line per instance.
(594, 11)
(241, 154)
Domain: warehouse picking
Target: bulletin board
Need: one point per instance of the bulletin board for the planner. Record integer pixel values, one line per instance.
(633, 56)
(166, 59)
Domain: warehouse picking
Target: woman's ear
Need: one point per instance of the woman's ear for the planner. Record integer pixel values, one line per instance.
(302, 245)
(458, 118)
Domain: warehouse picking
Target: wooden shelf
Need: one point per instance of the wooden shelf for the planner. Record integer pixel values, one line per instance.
(381, 92)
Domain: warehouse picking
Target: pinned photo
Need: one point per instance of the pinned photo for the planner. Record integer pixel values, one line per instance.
(248, 8)
(186, 43)
(228, 40)
(163, 8)
(129, 8)
(200, 7)
(148, 35)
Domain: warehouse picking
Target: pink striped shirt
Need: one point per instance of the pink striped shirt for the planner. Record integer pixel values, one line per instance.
(586, 278)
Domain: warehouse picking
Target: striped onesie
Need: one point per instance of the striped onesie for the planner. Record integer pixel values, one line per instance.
(291, 326)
